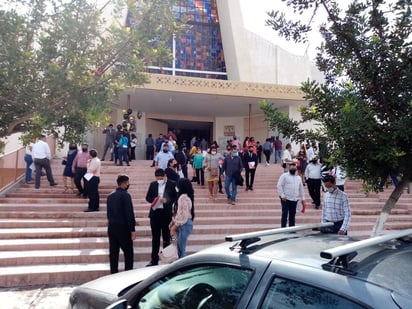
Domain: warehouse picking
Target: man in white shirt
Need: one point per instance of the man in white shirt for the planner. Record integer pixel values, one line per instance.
(162, 158)
(312, 152)
(41, 157)
(287, 158)
(290, 190)
(313, 177)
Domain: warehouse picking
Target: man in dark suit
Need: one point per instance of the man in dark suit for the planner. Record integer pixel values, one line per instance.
(250, 162)
(161, 195)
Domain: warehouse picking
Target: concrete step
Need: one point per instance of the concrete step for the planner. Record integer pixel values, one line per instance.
(45, 237)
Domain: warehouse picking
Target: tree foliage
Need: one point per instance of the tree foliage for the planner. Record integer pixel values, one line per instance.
(61, 61)
(364, 106)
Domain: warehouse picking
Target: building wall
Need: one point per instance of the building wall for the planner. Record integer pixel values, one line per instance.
(237, 123)
(258, 128)
(155, 127)
(251, 58)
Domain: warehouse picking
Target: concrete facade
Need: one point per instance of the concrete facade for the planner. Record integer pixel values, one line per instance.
(257, 70)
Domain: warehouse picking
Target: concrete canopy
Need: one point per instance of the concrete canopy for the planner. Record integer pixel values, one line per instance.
(178, 98)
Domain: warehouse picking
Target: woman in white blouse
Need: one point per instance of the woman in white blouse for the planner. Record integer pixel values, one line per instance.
(182, 223)
(93, 179)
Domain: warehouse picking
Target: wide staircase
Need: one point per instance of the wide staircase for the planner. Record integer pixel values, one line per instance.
(46, 238)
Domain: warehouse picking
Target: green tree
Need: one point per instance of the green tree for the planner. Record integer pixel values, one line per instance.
(363, 108)
(62, 62)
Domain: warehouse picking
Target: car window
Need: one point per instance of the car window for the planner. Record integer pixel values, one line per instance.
(210, 286)
(285, 293)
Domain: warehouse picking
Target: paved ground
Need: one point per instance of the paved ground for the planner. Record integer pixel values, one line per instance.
(35, 297)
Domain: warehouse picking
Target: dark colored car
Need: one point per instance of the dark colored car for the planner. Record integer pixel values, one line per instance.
(284, 268)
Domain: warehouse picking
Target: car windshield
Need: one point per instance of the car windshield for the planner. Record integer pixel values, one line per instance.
(205, 286)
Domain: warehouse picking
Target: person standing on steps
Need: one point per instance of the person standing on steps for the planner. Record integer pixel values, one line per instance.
(93, 179)
(67, 172)
(250, 162)
(41, 157)
(287, 158)
(162, 158)
(183, 215)
(79, 168)
(198, 159)
(133, 145)
(232, 167)
(211, 164)
(290, 190)
(277, 147)
(267, 151)
(313, 177)
(28, 158)
(109, 142)
(123, 149)
(161, 194)
(121, 228)
(150, 147)
(335, 208)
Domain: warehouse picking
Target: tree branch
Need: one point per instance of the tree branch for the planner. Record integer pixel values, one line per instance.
(16, 122)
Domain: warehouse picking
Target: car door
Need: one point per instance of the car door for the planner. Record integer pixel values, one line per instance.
(209, 283)
(288, 285)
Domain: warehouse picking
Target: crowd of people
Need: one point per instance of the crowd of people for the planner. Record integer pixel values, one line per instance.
(172, 194)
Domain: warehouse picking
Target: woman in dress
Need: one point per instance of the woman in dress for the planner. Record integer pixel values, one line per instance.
(303, 162)
(67, 172)
(184, 213)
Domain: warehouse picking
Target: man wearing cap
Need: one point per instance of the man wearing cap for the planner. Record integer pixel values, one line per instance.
(41, 157)
(290, 191)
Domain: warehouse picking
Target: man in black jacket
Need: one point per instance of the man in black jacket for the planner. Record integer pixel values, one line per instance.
(250, 162)
(122, 222)
(161, 195)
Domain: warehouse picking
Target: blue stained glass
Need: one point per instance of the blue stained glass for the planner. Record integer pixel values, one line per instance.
(199, 48)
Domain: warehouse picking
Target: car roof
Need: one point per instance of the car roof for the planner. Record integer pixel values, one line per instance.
(383, 260)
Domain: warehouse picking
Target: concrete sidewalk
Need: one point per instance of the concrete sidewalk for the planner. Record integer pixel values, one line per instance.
(36, 297)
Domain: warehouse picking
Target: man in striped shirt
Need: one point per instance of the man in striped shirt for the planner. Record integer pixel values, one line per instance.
(335, 208)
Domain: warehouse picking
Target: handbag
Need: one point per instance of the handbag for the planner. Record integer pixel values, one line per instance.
(169, 254)
(214, 172)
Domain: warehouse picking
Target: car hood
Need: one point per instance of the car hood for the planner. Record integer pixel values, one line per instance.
(116, 283)
(103, 291)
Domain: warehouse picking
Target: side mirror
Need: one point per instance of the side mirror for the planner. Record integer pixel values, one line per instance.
(120, 304)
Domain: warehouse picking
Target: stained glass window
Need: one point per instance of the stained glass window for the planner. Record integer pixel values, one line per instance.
(199, 50)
